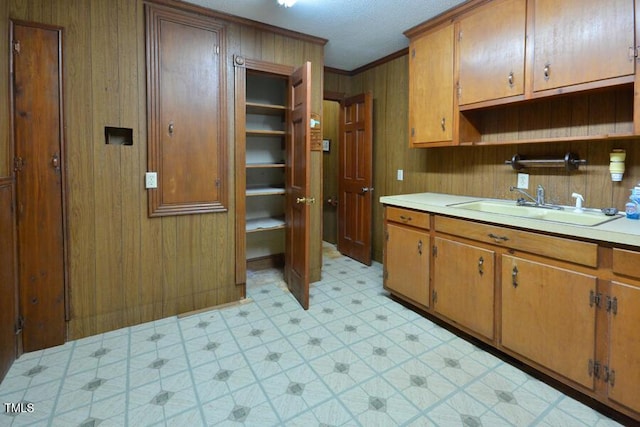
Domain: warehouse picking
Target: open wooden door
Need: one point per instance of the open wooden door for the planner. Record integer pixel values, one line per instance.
(355, 180)
(296, 268)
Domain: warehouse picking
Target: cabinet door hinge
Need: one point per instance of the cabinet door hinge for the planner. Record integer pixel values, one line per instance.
(612, 305)
(16, 47)
(633, 52)
(460, 36)
(217, 182)
(19, 325)
(434, 251)
(18, 164)
(385, 274)
(413, 53)
(594, 368)
(609, 376)
(386, 235)
(594, 298)
(458, 90)
(434, 296)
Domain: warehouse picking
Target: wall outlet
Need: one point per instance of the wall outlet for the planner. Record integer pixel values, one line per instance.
(523, 181)
(400, 175)
(151, 180)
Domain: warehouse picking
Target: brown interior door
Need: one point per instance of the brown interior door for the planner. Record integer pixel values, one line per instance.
(8, 291)
(37, 116)
(297, 185)
(355, 179)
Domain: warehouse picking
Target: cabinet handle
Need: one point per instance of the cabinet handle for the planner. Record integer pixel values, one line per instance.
(547, 71)
(481, 266)
(510, 79)
(514, 276)
(442, 124)
(498, 239)
(420, 247)
(405, 218)
(170, 128)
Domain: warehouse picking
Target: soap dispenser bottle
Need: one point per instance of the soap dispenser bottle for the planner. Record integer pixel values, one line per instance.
(631, 208)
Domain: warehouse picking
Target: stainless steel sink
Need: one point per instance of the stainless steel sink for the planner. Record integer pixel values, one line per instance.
(567, 215)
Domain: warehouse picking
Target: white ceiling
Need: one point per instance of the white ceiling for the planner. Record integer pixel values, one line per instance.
(359, 31)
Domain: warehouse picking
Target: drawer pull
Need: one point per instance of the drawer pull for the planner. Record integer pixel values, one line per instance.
(498, 239)
(405, 218)
(514, 276)
(481, 266)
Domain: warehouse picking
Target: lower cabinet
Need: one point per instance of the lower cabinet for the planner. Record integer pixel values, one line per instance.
(547, 316)
(622, 371)
(406, 255)
(463, 285)
(566, 306)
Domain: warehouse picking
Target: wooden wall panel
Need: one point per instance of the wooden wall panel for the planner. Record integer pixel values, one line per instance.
(125, 268)
(480, 170)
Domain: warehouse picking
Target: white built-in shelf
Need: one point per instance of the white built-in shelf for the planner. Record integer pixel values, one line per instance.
(264, 224)
(264, 165)
(264, 191)
(264, 132)
(269, 109)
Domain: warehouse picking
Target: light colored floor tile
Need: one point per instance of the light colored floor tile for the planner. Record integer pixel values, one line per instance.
(355, 358)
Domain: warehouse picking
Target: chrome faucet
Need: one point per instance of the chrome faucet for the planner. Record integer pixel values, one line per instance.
(521, 201)
(538, 201)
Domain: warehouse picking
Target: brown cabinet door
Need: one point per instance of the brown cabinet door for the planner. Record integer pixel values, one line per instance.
(431, 87)
(492, 60)
(406, 263)
(581, 41)
(39, 175)
(547, 318)
(186, 89)
(464, 285)
(624, 346)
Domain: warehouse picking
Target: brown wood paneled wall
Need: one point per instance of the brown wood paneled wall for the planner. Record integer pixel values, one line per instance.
(125, 268)
(479, 171)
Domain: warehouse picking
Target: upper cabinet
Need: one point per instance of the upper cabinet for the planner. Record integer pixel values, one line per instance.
(491, 61)
(512, 61)
(431, 88)
(581, 41)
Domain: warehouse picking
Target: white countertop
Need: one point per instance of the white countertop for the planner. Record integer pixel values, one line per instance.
(621, 230)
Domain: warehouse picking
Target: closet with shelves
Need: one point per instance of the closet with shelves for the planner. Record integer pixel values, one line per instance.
(265, 120)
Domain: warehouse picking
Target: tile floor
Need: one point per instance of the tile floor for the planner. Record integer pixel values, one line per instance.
(355, 358)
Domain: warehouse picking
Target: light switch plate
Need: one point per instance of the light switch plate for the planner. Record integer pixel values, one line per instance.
(523, 181)
(151, 180)
(400, 175)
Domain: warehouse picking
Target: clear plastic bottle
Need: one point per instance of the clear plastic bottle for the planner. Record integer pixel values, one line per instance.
(631, 208)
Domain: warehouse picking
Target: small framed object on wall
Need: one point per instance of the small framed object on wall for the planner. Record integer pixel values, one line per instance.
(326, 145)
